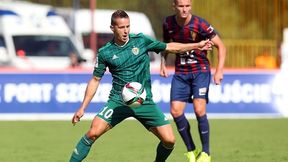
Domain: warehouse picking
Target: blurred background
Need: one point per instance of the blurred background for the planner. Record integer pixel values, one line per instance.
(251, 29)
(47, 55)
(48, 48)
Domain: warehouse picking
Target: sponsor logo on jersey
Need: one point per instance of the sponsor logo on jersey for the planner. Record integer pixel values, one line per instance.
(210, 29)
(114, 57)
(193, 35)
(135, 50)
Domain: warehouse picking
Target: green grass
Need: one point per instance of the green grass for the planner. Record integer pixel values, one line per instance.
(262, 140)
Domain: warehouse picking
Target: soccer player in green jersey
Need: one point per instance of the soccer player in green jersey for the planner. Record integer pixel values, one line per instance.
(127, 59)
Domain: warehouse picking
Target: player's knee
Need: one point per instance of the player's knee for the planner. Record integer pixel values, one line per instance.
(175, 112)
(199, 112)
(169, 142)
(93, 135)
(177, 108)
(199, 106)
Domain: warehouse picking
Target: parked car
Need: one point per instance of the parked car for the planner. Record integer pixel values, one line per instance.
(35, 36)
(80, 21)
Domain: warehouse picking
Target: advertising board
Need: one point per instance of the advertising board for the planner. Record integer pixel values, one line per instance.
(244, 93)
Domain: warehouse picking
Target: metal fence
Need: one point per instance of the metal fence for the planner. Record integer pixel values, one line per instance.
(251, 30)
(245, 19)
(249, 53)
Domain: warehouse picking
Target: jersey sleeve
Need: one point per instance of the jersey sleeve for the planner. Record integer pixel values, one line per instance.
(154, 45)
(207, 30)
(100, 66)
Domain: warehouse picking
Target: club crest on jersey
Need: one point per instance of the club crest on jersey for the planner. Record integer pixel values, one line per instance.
(193, 35)
(135, 50)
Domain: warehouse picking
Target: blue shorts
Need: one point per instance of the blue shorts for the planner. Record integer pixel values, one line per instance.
(186, 87)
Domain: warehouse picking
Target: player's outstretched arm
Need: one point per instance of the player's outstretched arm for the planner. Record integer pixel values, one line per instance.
(175, 47)
(89, 94)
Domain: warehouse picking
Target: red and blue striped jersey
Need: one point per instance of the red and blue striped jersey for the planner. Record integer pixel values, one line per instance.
(196, 30)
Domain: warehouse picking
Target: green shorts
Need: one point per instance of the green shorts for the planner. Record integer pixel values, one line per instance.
(149, 115)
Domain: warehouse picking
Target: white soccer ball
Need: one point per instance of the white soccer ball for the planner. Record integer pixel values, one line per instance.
(133, 94)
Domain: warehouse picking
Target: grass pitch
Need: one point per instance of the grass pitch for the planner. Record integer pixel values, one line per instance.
(243, 140)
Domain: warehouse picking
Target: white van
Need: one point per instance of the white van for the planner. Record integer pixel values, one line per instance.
(81, 22)
(34, 36)
(139, 22)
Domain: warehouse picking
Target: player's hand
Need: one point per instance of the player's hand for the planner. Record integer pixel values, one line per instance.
(77, 116)
(163, 71)
(218, 77)
(206, 45)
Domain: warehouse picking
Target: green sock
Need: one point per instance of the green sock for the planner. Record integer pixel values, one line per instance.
(82, 149)
(162, 152)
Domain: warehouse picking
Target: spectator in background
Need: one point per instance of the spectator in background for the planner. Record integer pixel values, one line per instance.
(75, 60)
(191, 80)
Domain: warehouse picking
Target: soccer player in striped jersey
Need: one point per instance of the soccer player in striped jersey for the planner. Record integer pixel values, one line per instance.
(126, 57)
(190, 83)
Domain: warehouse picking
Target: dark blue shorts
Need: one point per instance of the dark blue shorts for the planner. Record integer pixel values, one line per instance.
(185, 87)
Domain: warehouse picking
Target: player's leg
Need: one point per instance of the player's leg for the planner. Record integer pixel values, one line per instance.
(155, 121)
(98, 127)
(200, 93)
(203, 127)
(182, 123)
(203, 123)
(183, 126)
(108, 117)
(167, 142)
(180, 94)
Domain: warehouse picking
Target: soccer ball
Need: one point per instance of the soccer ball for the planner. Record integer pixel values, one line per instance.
(133, 94)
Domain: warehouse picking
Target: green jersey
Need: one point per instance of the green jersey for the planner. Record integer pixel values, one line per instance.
(128, 63)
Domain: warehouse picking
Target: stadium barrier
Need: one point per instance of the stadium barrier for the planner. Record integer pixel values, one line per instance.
(249, 53)
(57, 95)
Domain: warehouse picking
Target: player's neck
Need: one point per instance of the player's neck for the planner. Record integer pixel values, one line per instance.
(120, 43)
(183, 21)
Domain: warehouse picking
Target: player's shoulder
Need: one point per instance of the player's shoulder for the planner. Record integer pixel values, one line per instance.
(105, 48)
(141, 38)
(169, 18)
(138, 35)
(198, 18)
